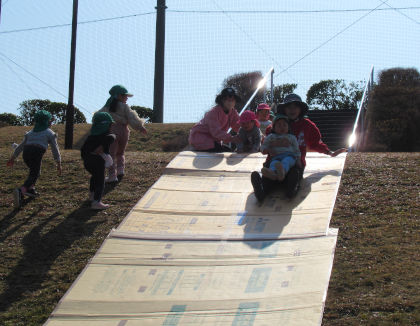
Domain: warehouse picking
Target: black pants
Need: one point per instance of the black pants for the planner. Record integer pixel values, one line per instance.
(292, 179)
(218, 148)
(95, 165)
(32, 156)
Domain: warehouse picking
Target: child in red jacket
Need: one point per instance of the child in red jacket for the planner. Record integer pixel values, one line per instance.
(308, 136)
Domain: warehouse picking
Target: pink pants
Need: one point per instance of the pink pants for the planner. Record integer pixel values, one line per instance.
(117, 149)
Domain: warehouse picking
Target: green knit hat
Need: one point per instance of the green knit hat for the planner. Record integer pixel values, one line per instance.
(280, 116)
(115, 91)
(42, 120)
(100, 123)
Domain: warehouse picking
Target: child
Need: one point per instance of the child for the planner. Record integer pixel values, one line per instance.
(249, 133)
(263, 116)
(96, 157)
(34, 145)
(282, 148)
(123, 115)
(208, 134)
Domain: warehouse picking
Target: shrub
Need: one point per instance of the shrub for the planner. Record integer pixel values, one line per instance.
(393, 112)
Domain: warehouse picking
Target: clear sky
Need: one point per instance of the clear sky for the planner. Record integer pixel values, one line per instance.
(206, 41)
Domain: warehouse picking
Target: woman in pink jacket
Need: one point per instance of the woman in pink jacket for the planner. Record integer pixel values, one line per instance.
(208, 134)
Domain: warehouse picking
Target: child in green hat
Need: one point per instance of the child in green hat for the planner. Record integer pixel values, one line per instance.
(96, 156)
(124, 116)
(33, 146)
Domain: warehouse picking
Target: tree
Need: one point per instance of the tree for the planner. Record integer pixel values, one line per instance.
(334, 95)
(393, 112)
(245, 84)
(143, 112)
(279, 92)
(57, 109)
(10, 119)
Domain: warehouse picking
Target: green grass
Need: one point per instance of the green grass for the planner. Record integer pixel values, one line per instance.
(44, 246)
(158, 135)
(376, 271)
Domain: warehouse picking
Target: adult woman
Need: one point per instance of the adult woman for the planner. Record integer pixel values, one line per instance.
(208, 134)
(307, 135)
(123, 115)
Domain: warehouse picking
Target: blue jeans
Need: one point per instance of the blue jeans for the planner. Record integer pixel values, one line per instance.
(286, 160)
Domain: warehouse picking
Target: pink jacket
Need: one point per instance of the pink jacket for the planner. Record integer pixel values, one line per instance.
(213, 128)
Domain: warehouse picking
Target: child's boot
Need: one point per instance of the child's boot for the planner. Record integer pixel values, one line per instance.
(257, 185)
(31, 192)
(98, 205)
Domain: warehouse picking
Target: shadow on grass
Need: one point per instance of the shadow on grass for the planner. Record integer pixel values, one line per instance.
(41, 249)
(8, 219)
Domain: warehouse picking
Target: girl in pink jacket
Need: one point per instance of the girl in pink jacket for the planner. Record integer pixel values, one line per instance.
(208, 134)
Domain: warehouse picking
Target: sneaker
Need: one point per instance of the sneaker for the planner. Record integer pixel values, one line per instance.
(30, 193)
(268, 173)
(280, 171)
(111, 179)
(257, 185)
(17, 197)
(98, 205)
(120, 176)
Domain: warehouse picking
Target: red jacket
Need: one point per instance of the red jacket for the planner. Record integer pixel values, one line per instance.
(308, 136)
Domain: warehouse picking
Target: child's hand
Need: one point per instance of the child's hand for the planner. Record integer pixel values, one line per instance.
(338, 151)
(143, 131)
(10, 162)
(59, 169)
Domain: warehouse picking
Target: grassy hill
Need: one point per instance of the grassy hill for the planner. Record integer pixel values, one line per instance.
(44, 246)
(160, 136)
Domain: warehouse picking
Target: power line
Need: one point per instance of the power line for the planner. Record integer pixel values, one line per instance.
(40, 80)
(18, 76)
(214, 12)
(251, 38)
(398, 10)
(283, 11)
(332, 37)
(80, 23)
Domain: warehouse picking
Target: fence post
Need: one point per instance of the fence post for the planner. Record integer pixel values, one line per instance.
(159, 62)
(272, 88)
(68, 142)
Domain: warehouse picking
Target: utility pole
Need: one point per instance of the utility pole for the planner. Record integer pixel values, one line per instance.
(159, 62)
(68, 143)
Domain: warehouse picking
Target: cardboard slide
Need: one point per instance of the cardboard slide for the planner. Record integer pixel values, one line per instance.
(198, 249)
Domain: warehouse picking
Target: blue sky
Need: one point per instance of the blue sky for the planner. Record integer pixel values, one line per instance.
(206, 41)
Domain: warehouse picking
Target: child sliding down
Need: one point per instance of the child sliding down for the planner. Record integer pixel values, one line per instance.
(282, 148)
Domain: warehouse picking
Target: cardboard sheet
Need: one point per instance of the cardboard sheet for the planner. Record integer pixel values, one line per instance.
(198, 249)
(223, 206)
(215, 282)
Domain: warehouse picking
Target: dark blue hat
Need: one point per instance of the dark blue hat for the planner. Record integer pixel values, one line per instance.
(228, 91)
(293, 98)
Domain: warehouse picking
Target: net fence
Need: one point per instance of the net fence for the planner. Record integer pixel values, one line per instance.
(206, 42)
